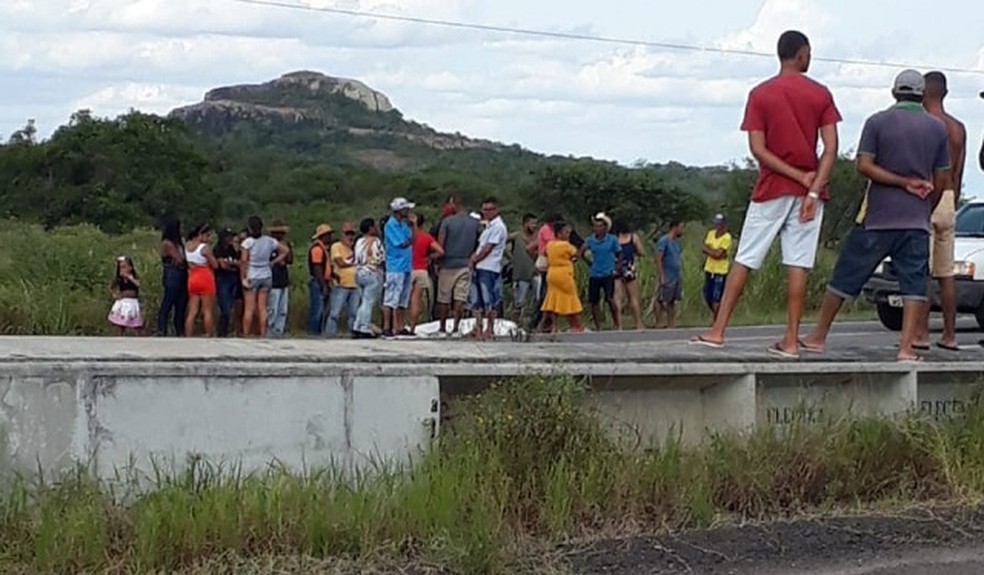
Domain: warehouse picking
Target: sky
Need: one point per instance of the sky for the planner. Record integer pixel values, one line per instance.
(619, 102)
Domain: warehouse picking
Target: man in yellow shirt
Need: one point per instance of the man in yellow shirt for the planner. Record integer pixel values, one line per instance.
(717, 248)
(345, 292)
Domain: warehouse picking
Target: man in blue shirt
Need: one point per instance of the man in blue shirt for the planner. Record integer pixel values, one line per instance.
(905, 155)
(669, 266)
(606, 259)
(398, 239)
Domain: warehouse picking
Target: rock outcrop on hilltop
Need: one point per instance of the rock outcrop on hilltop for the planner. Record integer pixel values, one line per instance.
(308, 99)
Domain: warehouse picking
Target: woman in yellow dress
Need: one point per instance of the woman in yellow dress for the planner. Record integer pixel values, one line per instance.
(562, 298)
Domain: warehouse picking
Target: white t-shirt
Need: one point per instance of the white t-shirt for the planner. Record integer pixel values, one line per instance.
(495, 234)
(369, 257)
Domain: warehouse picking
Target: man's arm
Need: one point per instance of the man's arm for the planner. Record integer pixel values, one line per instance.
(828, 135)
(659, 263)
(761, 153)
(958, 157)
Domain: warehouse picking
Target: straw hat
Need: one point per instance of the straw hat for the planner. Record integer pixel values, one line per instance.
(279, 227)
(322, 230)
(603, 217)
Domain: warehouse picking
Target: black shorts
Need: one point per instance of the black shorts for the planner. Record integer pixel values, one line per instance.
(598, 285)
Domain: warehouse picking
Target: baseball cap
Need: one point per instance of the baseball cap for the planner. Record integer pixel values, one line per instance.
(400, 204)
(719, 219)
(909, 82)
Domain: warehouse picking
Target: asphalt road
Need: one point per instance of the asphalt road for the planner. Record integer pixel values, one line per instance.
(846, 333)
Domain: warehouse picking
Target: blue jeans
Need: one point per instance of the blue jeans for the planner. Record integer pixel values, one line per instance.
(341, 299)
(370, 290)
(316, 308)
(225, 293)
(277, 311)
(486, 291)
(175, 299)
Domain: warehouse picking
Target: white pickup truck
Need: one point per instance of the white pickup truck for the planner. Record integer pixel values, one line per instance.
(883, 288)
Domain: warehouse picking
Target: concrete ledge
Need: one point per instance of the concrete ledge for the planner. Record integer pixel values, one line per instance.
(110, 402)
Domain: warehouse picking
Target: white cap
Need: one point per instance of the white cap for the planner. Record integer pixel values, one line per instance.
(400, 204)
(909, 82)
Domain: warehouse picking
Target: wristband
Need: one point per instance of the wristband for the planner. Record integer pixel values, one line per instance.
(813, 196)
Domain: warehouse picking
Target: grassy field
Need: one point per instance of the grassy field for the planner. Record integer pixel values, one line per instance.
(520, 469)
(56, 282)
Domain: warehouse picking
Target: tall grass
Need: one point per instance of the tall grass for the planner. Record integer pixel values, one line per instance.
(522, 467)
(56, 282)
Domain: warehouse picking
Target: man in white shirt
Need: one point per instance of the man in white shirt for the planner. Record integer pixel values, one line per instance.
(486, 288)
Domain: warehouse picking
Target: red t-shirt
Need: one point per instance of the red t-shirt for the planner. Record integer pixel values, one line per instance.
(422, 242)
(790, 109)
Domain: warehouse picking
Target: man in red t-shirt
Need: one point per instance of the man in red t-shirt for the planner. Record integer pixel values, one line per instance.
(424, 248)
(783, 117)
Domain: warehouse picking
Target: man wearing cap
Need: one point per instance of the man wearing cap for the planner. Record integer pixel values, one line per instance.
(783, 117)
(904, 153)
(398, 240)
(458, 236)
(606, 257)
(345, 291)
(944, 218)
(717, 248)
(319, 280)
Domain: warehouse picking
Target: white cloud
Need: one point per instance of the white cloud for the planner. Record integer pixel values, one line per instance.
(620, 102)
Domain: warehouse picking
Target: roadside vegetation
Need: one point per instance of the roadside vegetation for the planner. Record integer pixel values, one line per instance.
(518, 471)
(57, 282)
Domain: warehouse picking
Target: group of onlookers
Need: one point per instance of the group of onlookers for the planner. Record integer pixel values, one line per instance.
(406, 271)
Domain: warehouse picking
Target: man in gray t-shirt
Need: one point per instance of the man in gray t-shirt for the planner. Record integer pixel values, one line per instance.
(904, 154)
(458, 235)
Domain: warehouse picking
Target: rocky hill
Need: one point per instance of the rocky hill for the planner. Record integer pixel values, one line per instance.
(362, 122)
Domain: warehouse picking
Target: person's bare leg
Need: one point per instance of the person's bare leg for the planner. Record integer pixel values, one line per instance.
(616, 310)
(910, 322)
(249, 307)
(948, 301)
(733, 288)
(671, 316)
(387, 319)
(921, 339)
(459, 312)
(574, 321)
(817, 339)
(191, 315)
(444, 310)
(121, 331)
(398, 319)
(490, 328)
(632, 288)
(476, 332)
(262, 300)
(415, 305)
(795, 302)
(208, 321)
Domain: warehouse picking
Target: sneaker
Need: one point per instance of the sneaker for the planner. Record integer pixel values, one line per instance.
(406, 333)
(388, 334)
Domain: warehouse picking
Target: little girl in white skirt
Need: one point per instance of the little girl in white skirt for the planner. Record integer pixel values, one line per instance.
(125, 288)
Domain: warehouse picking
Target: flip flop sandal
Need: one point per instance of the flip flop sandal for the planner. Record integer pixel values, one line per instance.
(776, 350)
(919, 347)
(810, 348)
(942, 345)
(699, 340)
(916, 359)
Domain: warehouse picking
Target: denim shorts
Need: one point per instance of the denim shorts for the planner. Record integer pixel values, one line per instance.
(714, 288)
(396, 290)
(865, 249)
(486, 291)
(260, 284)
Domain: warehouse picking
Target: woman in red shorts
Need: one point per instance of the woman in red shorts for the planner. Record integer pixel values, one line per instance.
(201, 279)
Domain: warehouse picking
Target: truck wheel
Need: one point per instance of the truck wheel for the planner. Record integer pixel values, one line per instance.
(891, 317)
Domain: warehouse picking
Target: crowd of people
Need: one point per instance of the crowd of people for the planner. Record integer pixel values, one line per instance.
(450, 272)
(912, 154)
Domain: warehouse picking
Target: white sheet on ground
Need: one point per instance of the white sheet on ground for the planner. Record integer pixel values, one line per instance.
(503, 328)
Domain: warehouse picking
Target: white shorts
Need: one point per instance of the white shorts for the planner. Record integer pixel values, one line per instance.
(764, 221)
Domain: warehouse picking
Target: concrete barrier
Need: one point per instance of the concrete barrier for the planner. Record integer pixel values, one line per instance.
(113, 403)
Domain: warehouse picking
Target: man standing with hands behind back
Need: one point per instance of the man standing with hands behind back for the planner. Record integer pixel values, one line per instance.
(783, 117)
